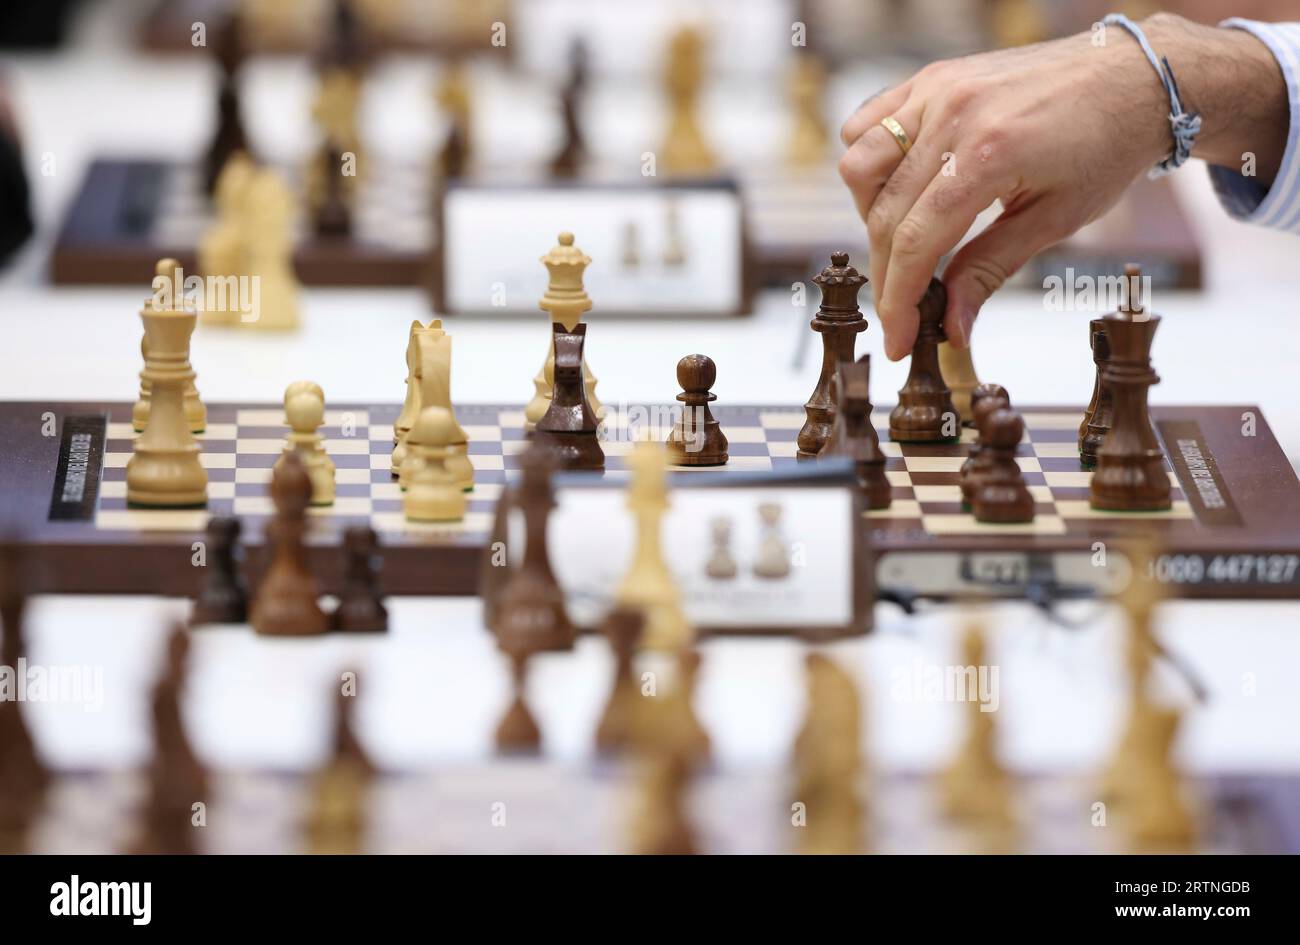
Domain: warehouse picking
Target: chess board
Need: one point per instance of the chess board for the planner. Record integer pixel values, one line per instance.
(129, 214)
(1233, 529)
(585, 808)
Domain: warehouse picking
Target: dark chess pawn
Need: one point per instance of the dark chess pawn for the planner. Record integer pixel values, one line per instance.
(517, 731)
(616, 729)
(361, 606)
(1001, 495)
(285, 603)
(853, 435)
(569, 426)
(333, 215)
(995, 397)
(1097, 419)
(530, 615)
(697, 438)
(223, 597)
(925, 411)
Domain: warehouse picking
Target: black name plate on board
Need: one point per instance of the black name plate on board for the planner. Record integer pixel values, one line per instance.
(76, 477)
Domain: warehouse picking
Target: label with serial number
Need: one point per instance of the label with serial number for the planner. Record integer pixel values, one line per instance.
(76, 477)
(1198, 473)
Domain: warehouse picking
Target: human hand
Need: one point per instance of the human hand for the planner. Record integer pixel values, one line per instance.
(1055, 131)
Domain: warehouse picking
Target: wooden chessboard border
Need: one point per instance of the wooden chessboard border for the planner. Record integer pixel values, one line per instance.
(79, 557)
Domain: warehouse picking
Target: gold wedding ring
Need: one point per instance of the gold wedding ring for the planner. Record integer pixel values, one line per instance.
(894, 128)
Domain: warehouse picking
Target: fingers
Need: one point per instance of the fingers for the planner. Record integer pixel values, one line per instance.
(885, 102)
(982, 265)
(875, 159)
(929, 228)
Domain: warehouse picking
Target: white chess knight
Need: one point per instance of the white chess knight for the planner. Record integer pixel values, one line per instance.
(304, 412)
(773, 560)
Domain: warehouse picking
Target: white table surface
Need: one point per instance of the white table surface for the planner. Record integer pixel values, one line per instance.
(435, 685)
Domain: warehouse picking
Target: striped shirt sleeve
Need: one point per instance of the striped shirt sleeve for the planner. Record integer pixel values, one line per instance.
(1245, 198)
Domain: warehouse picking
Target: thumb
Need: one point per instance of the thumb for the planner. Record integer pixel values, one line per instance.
(981, 266)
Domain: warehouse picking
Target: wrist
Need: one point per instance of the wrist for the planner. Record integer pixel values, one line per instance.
(1233, 82)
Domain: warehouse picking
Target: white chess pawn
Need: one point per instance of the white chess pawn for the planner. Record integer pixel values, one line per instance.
(304, 411)
(432, 493)
(721, 564)
(773, 561)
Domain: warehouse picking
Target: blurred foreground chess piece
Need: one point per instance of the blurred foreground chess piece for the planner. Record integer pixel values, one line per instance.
(223, 596)
(838, 321)
(1142, 783)
(337, 819)
(684, 150)
(925, 411)
(829, 814)
(697, 438)
(565, 302)
(975, 788)
(518, 732)
(24, 778)
(670, 745)
(1131, 474)
(164, 470)
(649, 585)
(177, 780)
(530, 615)
(616, 729)
(285, 604)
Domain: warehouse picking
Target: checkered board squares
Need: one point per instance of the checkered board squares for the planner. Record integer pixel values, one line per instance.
(241, 444)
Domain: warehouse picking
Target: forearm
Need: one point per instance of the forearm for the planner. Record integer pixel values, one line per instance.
(1234, 82)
